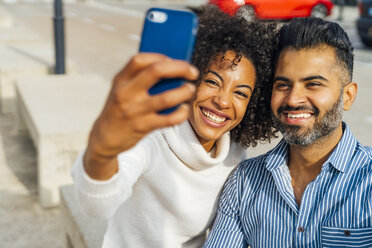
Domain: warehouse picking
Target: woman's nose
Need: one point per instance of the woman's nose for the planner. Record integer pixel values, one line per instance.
(222, 100)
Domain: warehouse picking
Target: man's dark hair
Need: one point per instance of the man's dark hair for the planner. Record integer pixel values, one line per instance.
(219, 33)
(311, 32)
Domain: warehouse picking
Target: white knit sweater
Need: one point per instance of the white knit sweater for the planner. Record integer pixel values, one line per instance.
(165, 193)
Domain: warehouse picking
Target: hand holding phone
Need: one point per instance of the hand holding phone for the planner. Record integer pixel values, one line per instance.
(130, 113)
(172, 33)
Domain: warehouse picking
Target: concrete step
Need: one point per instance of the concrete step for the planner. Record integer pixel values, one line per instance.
(58, 111)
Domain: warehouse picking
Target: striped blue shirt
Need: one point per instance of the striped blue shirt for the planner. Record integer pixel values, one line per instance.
(258, 207)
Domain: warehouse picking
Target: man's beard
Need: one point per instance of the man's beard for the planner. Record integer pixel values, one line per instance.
(320, 129)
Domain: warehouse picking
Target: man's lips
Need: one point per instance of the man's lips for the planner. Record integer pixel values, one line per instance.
(297, 117)
(312, 110)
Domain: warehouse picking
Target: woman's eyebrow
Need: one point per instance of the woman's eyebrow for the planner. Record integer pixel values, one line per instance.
(245, 86)
(215, 73)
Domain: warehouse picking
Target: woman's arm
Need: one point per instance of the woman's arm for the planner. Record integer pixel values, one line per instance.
(101, 198)
(130, 113)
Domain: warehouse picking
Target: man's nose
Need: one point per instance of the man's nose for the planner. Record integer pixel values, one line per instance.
(296, 96)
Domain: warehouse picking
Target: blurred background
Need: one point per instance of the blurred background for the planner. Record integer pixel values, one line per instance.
(49, 102)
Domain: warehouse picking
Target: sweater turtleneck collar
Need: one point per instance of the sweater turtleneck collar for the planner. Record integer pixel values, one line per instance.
(185, 145)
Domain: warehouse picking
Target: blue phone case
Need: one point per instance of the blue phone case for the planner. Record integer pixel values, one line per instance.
(170, 32)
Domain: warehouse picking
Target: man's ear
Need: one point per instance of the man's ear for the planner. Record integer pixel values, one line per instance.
(349, 95)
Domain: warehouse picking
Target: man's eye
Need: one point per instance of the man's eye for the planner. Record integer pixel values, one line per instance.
(282, 86)
(313, 84)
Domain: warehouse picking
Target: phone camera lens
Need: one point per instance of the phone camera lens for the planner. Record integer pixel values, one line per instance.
(157, 16)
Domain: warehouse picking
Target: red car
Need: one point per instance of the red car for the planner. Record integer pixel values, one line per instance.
(275, 9)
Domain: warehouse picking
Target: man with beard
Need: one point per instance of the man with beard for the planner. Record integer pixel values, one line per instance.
(315, 188)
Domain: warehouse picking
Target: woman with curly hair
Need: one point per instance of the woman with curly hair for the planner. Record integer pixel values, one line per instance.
(157, 177)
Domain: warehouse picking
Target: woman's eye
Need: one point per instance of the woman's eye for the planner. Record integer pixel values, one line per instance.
(240, 93)
(212, 82)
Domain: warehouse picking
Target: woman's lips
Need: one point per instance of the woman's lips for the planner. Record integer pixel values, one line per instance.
(213, 119)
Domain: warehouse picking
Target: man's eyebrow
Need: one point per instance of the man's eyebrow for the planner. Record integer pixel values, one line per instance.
(319, 77)
(280, 78)
(245, 86)
(215, 73)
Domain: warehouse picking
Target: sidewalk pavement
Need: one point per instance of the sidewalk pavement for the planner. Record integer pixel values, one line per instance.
(23, 222)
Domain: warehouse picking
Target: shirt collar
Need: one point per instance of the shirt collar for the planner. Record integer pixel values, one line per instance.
(339, 158)
(277, 156)
(344, 150)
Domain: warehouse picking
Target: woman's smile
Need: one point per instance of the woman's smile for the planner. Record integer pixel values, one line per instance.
(213, 117)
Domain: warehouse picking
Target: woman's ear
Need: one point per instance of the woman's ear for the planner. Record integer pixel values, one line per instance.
(349, 95)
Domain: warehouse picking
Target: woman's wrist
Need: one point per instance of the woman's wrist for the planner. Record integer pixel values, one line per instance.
(99, 167)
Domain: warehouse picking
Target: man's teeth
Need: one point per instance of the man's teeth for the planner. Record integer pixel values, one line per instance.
(212, 117)
(303, 115)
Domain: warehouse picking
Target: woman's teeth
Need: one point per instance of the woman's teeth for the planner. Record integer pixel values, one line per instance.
(303, 115)
(212, 117)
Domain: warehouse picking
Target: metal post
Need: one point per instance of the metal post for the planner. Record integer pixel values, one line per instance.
(341, 4)
(59, 38)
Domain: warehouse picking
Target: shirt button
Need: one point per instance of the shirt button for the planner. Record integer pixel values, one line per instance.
(301, 229)
(347, 233)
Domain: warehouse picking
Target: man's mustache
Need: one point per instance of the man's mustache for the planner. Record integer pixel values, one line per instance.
(287, 108)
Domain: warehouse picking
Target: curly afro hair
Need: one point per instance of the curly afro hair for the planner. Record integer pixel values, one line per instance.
(258, 42)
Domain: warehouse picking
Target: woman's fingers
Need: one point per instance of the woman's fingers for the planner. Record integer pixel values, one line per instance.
(144, 104)
(167, 69)
(175, 118)
(137, 63)
(132, 95)
(150, 122)
(171, 98)
(153, 73)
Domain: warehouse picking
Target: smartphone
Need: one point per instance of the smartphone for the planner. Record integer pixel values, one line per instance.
(172, 33)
